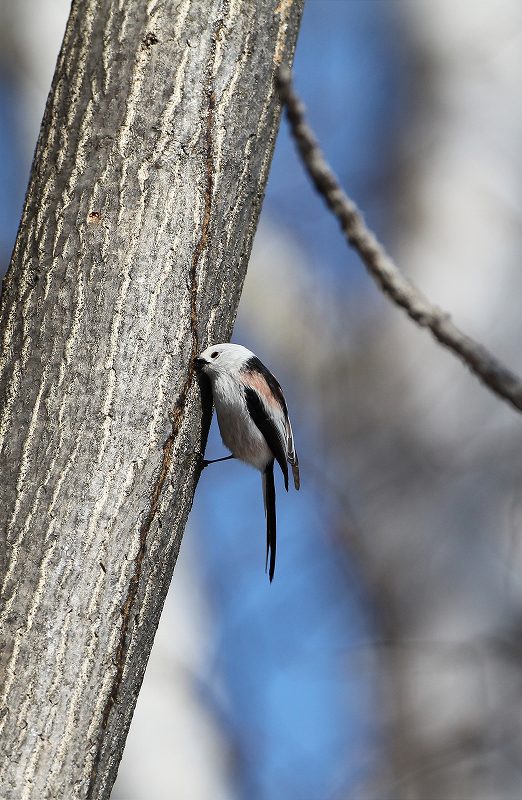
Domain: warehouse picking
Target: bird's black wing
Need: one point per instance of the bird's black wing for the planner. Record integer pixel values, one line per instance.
(254, 365)
(268, 428)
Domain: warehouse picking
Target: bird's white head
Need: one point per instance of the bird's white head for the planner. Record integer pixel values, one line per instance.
(219, 359)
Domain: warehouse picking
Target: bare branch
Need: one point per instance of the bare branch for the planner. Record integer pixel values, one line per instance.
(481, 362)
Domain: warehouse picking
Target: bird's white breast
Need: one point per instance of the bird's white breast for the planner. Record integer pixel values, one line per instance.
(238, 431)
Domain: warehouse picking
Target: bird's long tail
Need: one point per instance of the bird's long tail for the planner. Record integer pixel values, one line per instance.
(270, 511)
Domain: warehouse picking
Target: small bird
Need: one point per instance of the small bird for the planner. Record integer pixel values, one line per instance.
(253, 422)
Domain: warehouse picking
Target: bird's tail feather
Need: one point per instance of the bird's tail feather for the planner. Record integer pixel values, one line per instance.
(295, 472)
(270, 511)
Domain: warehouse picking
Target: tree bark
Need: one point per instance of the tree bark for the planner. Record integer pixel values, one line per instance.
(143, 200)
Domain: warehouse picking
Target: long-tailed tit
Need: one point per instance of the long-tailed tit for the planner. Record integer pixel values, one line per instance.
(253, 421)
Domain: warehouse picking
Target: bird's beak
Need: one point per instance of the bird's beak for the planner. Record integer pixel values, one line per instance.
(199, 363)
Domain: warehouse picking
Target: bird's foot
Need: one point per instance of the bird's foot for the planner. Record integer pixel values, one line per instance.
(204, 462)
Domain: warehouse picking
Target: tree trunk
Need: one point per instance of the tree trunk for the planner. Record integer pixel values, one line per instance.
(131, 254)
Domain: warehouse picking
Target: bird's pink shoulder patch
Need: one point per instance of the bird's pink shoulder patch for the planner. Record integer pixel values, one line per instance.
(256, 381)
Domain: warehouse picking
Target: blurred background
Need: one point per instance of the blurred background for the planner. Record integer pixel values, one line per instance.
(385, 661)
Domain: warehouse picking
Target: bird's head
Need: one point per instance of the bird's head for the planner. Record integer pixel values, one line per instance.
(219, 359)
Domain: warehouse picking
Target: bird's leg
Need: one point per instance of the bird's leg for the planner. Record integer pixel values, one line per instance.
(205, 463)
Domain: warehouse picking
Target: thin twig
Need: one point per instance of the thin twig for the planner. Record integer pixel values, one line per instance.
(383, 270)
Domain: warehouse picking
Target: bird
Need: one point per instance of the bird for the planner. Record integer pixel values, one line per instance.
(253, 421)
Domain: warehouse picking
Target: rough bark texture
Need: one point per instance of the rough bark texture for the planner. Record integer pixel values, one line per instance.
(131, 254)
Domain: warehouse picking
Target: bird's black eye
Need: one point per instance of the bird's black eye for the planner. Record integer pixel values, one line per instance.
(214, 354)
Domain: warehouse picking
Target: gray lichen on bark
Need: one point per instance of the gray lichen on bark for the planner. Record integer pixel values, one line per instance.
(143, 200)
